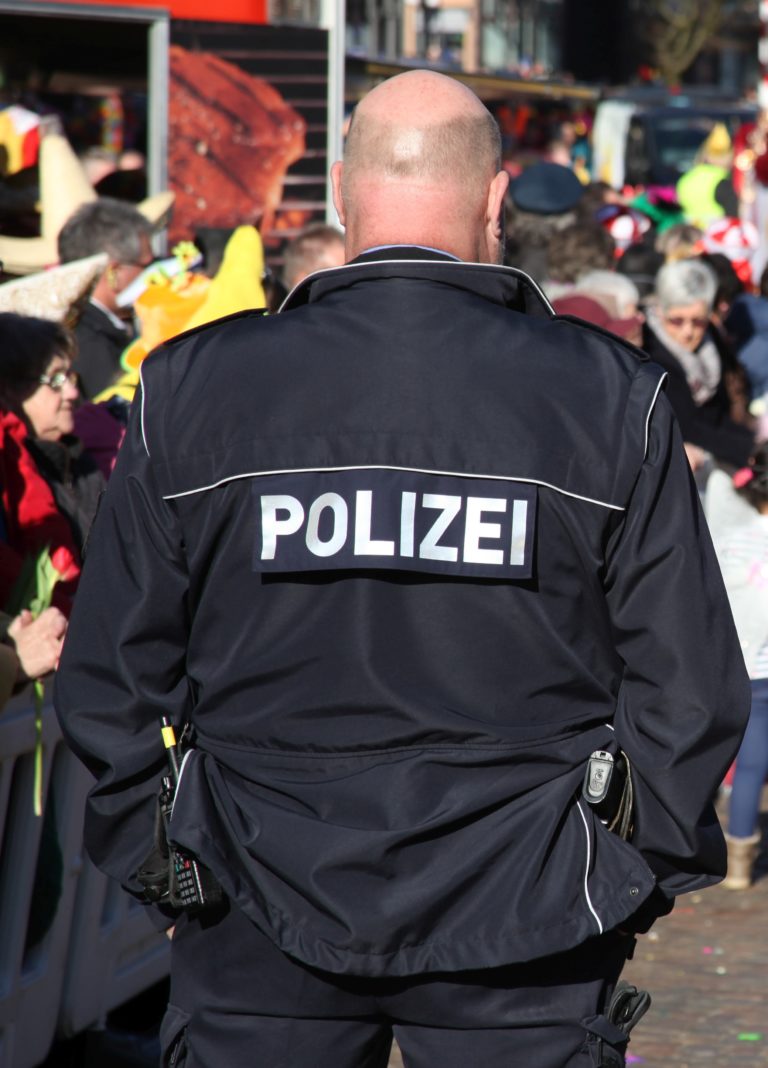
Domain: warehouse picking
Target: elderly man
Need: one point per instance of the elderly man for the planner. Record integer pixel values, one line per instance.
(404, 557)
(104, 329)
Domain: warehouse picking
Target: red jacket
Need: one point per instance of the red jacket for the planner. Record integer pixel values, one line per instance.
(32, 520)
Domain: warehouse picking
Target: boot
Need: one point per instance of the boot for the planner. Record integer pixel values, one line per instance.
(741, 857)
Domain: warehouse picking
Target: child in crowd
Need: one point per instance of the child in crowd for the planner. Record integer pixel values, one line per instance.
(743, 554)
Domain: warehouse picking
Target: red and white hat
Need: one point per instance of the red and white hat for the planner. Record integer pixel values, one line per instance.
(735, 238)
(625, 225)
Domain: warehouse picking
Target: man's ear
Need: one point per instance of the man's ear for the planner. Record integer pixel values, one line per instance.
(111, 277)
(338, 200)
(495, 215)
(497, 192)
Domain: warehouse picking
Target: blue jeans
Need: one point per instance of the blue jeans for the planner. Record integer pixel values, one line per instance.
(751, 766)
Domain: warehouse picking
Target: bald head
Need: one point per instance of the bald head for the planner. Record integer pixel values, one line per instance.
(422, 158)
(424, 127)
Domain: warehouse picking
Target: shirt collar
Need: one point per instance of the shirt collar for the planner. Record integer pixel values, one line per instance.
(118, 323)
(410, 251)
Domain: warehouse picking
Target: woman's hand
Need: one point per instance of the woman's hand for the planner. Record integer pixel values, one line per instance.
(696, 457)
(38, 641)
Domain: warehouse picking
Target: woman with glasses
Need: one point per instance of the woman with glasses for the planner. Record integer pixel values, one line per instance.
(38, 396)
(677, 335)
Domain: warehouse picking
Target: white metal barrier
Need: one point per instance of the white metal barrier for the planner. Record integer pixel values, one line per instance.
(99, 949)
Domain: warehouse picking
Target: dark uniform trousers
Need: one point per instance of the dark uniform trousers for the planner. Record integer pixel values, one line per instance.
(545, 1013)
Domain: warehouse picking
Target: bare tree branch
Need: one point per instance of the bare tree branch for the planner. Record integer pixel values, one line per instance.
(674, 31)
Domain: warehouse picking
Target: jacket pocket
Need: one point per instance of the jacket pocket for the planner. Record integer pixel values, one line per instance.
(173, 1038)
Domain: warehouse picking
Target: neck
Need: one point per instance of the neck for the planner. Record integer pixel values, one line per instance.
(407, 213)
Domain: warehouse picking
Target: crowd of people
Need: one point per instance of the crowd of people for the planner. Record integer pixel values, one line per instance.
(679, 288)
(65, 388)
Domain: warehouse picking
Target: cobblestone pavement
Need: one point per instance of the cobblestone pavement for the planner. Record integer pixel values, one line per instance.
(706, 966)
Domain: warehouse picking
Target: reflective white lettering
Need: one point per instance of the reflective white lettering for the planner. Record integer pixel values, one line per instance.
(472, 526)
(519, 529)
(273, 528)
(449, 508)
(338, 536)
(364, 544)
(407, 521)
(475, 529)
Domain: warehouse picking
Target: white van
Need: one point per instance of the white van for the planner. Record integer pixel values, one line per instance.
(642, 142)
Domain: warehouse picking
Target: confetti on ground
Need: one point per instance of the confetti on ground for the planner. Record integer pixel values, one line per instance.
(721, 971)
(750, 1036)
(707, 949)
(631, 1059)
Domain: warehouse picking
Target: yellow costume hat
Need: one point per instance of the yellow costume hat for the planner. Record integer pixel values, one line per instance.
(237, 284)
(157, 208)
(170, 306)
(64, 187)
(718, 147)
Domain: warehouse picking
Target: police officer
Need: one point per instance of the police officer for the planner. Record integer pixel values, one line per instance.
(404, 556)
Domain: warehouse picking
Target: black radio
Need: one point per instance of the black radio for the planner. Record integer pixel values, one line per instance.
(169, 875)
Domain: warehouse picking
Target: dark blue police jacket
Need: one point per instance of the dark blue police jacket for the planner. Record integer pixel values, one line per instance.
(405, 554)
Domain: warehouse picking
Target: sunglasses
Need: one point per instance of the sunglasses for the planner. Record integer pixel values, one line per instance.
(698, 321)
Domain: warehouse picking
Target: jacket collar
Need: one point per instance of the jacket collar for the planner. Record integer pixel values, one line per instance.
(503, 285)
(100, 319)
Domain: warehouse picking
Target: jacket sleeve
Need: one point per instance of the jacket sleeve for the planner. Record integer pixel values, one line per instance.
(685, 697)
(123, 662)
